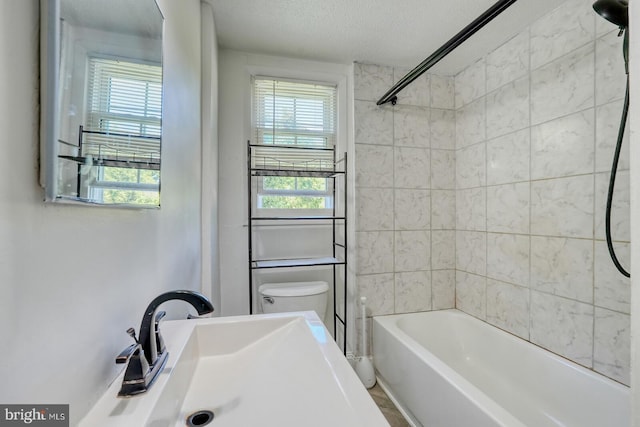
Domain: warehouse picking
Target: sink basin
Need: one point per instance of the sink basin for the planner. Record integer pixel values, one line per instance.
(267, 370)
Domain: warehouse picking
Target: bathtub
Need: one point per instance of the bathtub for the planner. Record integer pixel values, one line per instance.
(449, 369)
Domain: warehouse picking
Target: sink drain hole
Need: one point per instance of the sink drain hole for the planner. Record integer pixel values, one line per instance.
(200, 418)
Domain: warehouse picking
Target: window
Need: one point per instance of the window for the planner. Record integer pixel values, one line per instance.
(124, 98)
(288, 112)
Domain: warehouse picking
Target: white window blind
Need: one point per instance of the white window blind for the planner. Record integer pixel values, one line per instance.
(294, 113)
(123, 115)
(124, 97)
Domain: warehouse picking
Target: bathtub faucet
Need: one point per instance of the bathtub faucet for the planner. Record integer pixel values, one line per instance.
(147, 356)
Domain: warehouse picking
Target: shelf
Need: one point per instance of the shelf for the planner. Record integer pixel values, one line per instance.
(300, 262)
(296, 218)
(291, 147)
(303, 162)
(130, 164)
(306, 173)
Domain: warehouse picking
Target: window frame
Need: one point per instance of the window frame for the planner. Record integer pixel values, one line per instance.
(96, 189)
(259, 189)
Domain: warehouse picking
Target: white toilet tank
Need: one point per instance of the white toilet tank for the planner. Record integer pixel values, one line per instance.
(294, 296)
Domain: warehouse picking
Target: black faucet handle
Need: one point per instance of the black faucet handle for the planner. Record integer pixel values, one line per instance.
(126, 354)
(132, 334)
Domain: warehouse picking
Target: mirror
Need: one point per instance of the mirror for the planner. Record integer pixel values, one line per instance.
(101, 101)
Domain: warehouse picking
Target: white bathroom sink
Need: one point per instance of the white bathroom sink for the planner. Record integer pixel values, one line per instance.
(267, 370)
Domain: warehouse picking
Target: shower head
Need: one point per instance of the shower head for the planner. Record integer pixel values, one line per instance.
(614, 11)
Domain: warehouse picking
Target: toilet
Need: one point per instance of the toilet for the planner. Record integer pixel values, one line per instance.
(294, 296)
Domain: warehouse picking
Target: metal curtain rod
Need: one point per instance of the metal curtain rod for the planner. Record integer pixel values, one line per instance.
(445, 49)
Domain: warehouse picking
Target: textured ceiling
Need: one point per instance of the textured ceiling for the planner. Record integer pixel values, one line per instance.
(387, 32)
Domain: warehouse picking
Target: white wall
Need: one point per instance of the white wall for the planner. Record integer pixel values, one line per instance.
(634, 55)
(235, 70)
(73, 279)
(210, 257)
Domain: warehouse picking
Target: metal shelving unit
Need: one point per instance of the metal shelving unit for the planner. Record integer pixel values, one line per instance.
(287, 161)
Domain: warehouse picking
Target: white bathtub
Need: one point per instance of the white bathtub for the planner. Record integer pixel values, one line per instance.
(449, 369)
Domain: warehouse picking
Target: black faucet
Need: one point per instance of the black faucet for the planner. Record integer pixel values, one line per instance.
(147, 356)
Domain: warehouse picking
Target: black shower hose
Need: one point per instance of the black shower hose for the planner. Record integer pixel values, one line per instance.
(612, 182)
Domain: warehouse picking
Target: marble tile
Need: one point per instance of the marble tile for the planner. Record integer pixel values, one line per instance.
(471, 252)
(411, 126)
(603, 27)
(413, 291)
(412, 209)
(508, 208)
(443, 249)
(569, 79)
(371, 81)
(388, 409)
(508, 108)
(417, 93)
(563, 207)
(610, 71)
(374, 208)
(374, 252)
(563, 326)
(374, 166)
(620, 207)
(443, 129)
(442, 92)
(471, 209)
(471, 168)
(470, 123)
(443, 289)
(471, 294)
(566, 28)
(443, 169)
(412, 250)
(412, 168)
(612, 289)
(508, 62)
(607, 125)
(373, 124)
(470, 83)
(563, 267)
(612, 344)
(443, 209)
(508, 258)
(508, 158)
(508, 307)
(564, 146)
(379, 291)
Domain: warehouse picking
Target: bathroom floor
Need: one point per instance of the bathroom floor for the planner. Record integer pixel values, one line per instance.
(389, 410)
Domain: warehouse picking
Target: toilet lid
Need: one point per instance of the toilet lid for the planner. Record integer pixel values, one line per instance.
(293, 289)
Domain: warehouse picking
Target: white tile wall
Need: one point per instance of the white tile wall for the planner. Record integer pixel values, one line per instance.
(508, 62)
(405, 192)
(563, 326)
(508, 307)
(570, 26)
(533, 157)
(569, 79)
(564, 146)
(411, 209)
(486, 191)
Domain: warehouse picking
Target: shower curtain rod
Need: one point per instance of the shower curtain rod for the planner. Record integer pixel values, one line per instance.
(445, 49)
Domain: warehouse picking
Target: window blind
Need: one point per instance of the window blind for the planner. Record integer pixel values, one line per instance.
(124, 98)
(289, 112)
(294, 113)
